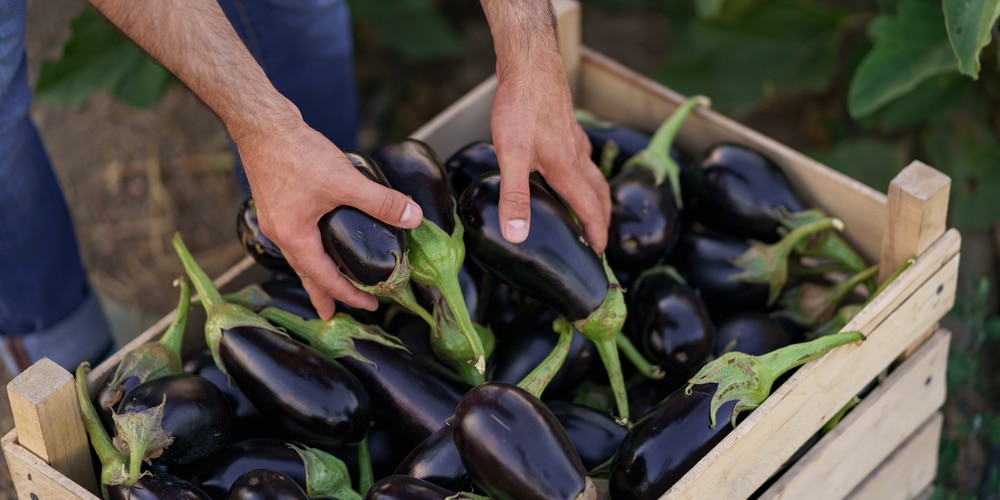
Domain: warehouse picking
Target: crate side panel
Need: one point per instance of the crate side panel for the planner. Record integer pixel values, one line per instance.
(33, 478)
(909, 472)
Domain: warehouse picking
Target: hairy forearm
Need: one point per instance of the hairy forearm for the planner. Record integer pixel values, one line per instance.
(524, 34)
(194, 40)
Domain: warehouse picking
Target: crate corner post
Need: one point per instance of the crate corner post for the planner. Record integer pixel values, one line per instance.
(918, 208)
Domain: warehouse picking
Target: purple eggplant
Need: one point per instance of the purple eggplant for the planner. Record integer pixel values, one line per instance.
(402, 487)
(247, 420)
(705, 261)
(668, 321)
(266, 484)
(751, 332)
(595, 434)
(264, 251)
(468, 163)
(515, 448)
(436, 460)
(156, 486)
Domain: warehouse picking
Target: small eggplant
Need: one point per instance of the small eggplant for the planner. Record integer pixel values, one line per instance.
(595, 434)
(436, 460)
(156, 486)
(265, 484)
(467, 164)
(369, 252)
(193, 412)
(402, 487)
(646, 200)
(264, 251)
(515, 448)
(705, 261)
(668, 321)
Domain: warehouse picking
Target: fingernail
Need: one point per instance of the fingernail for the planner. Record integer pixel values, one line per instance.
(517, 230)
(411, 215)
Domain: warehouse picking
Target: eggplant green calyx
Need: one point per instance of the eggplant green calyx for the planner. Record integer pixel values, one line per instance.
(538, 379)
(846, 313)
(395, 286)
(436, 258)
(140, 435)
(114, 464)
(326, 475)
(748, 379)
(811, 304)
(656, 156)
(764, 263)
(826, 245)
(334, 337)
(220, 315)
(153, 359)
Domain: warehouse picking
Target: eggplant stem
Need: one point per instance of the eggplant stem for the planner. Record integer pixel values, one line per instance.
(647, 369)
(113, 462)
(539, 378)
(173, 338)
(366, 477)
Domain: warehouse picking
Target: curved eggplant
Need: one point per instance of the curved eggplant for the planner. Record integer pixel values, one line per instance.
(467, 164)
(436, 460)
(668, 321)
(514, 447)
(368, 251)
(196, 414)
(289, 381)
(264, 251)
(402, 487)
(156, 486)
(705, 261)
(265, 484)
(595, 434)
(739, 190)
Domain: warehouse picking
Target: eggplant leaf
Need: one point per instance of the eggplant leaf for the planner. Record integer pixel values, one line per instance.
(909, 48)
(970, 24)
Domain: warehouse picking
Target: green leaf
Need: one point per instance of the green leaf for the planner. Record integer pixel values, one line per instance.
(97, 57)
(909, 47)
(872, 161)
(707, 9)
(970, 23)
(925, 104)
(753, 53)
(965, 148)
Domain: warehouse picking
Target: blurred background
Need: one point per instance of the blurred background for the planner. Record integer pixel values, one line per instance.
(863, 86)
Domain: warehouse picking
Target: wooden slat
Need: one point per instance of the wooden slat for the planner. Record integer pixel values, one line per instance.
(770, 435)
(866, 437)
(918, 209)
(33, 478)
(909, 473)
(46, 414)
(465, 121)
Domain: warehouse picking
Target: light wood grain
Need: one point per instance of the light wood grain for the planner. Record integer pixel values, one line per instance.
(46, 414)
(917, 209)
(909, 473)
(873, 430)
(33, 478)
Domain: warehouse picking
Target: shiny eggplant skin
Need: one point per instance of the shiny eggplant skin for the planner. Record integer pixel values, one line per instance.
(737, 189)
(217, 474)
(630, 141)
(247, 420)
(705, 261)
(664, 444)
(647, 393)
(645, 221)
(436, 461)
(528, 339)
(402, 487)
(669, 322)
(410, 393)
(265, 484)
(514, 447)
(196, 414)
(554, 264)
(156, 486)
(264, 251)
(366, 249)
(751, 332)
(595, 434)
(288, 381)
(467, 164)
(414, 169)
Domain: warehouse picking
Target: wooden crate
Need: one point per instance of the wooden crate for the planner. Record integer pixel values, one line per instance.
(886, 447)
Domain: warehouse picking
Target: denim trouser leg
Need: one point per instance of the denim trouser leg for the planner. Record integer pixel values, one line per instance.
(47, 308)
(306, 49)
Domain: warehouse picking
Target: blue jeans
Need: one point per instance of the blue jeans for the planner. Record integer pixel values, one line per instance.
(47, 305)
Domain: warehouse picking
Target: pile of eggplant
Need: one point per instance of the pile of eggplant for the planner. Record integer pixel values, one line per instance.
(491, 370)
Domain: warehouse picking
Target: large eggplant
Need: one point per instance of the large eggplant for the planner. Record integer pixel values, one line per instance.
(403, 487)
(514, 447)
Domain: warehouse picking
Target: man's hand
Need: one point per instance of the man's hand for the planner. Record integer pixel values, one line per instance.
(534, 128)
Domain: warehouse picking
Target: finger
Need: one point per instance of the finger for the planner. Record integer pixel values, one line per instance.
(515, 195)
(322, 279)
(586, 192)
(385, 204)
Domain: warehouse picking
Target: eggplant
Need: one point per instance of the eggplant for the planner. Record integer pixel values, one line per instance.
(156, 486)
(265, 484)
(193, 412)
(402, 487)
(612, 144)
(286, 293)
(410, 393)
(369, 252)
(527, 341)
(247, 420)
(705, 261)
(646, 199)
(555, 265)
(264, 251)
(595, 434)
(436, 460)
(437, 252)
(668, 321)
(645, 393)
(468, 163)
(751, 332)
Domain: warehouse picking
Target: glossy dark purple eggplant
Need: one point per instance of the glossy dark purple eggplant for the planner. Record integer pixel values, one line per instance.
(738, 190)
(289, 381)
(628, 141)
(529, 339)
(246, 418)
(436, 460)
(217, 474)
(467, 164)
(264, 251)
(413, 168)
(402, 487)
(515, 448)
(265, 484)
(595, 434)
(645, 221)
(367, 250)
(196, 414)
(663, 445)
(646, 393)
(156, 486)
(705, 260)
(751, 332)
(668, 321)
